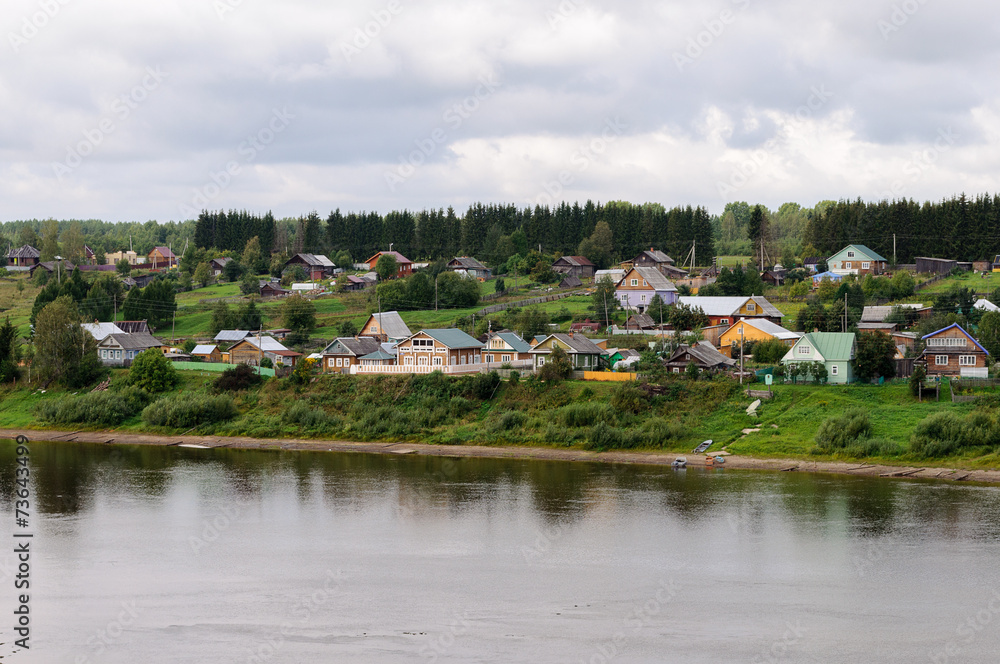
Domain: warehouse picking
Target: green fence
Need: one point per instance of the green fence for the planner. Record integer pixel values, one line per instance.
(216, 367)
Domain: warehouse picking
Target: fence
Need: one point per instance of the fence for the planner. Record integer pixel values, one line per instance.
(215, 367)
(525, 303)
(449, 369)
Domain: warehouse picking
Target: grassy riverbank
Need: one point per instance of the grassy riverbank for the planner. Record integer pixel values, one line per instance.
(483, 411)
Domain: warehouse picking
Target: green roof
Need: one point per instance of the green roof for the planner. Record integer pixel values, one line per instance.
(833, 346)
(453, 338)
(379, 355)
(515, 342)
(860, 249)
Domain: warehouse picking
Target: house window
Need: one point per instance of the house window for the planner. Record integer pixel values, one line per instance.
(676, 370)
(330, 361)
(865, 266)
(423, 343)
(847, 265)
(834, 369)
(477, 359)
(967, 360)
(941, 360)
(635, 282)
(958, 342)
(407, 360)
(751, 306)
(541, 360)
(339, 364)
(805, 350)
(118, 355)
(644, 283)
(421, 360)
(723, 321)
(642, 299)
(504, 358)
(850, 254)
(437, 361)
(489, 358)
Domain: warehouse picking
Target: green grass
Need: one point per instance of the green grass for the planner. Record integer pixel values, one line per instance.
(732, 261)
(971, 280)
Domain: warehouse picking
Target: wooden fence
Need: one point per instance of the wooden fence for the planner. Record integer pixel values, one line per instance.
(525, 303)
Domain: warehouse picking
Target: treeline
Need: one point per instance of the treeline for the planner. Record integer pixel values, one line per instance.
(66, 238)
(958, 228)
(493, 233)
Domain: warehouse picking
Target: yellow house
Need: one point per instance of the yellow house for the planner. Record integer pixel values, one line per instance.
(755, 329)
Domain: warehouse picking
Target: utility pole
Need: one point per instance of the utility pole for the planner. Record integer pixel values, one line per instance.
(893, 248)
(741, 356)
(845, 312)
(436, 292)
(173, 328)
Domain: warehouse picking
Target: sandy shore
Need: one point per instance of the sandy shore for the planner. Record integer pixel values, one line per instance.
(497, 452)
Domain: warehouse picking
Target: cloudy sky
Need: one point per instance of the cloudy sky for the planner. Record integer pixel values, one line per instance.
(137, 111)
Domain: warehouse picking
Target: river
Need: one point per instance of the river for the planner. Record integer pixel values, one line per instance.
(160, 554)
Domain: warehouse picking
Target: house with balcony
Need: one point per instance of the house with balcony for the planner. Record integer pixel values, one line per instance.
(951, 351)
(506, 348)
(450, 350)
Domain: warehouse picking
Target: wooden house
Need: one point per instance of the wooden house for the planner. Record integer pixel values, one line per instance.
(470, 266)
(116, 257)
(570, 282)
(857, 259)
(658, 260)
(574, 266)
(252, 349)
(836, 350)
(271, 289)
(755, 329)
(404, 266)
(217, 265)
(582, 352)
(726, 310)
(640, 285)
(316, 266)
(926, 265)
(161, 257)
(951, 351)
(385, 326)
(26, 256)
(207, 352)
(439, 348)
(346, 351)
(585, 325)
(506, 347)
(118, 350)
(704, 355)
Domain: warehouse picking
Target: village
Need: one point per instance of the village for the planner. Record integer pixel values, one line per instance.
(642, 312)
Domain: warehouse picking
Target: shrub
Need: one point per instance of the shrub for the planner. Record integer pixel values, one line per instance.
(586, 414)
(152, 372)
(942, 434)
(301, 414)
(483, 386)
(98, 408)
(513, 419)
(628, 398)
(841, 431)
(515, 376)
(240, 377)
(189, 411)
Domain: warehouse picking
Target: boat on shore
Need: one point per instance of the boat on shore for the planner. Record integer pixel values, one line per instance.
(680, 462)
(704, 446)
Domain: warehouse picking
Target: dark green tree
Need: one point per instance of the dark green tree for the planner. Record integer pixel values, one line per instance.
(874, 356)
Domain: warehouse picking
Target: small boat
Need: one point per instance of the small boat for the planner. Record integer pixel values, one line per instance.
(714, 461)
(193, 446)
(704, 446)
(680, 462)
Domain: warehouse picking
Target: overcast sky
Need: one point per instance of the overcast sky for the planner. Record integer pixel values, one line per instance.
(139, 110)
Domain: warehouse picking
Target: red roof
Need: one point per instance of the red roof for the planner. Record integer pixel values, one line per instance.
(400, 258)
(577, 260)
(164, 251)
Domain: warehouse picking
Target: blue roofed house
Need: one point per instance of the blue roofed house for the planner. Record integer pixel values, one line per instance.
(506, 348)
(857, 259)
(951, 351)
(836, 350)
(450, 350)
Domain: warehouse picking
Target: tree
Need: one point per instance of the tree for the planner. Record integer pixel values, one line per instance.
(798, 290)
(154, 304)
(530, 323)
(27, 236)
(249, 284)
(248, 316)
(598, 247)
(50, 240)
(223, 318)
(386, 267)
(106, 294)
(818, 371)
(658, 311)
(902, 285)
(604, 301)
(347, 329)
(499, 286)
(64, 351)
(253, 258)
(557, 366)
(299, 315)
(769, 351)
(989, 333)
(232, 271)
(874, 356)
(685, 317)
(152, 371)
(692, 371)
(10, 352)
(916, 379)
(457, 291)
(72, 244)
(123, 267)
(827, 291)
(203, 274)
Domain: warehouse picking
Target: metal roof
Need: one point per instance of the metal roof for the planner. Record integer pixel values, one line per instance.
(728, 305)
(576, 344)
(467, 262)
(379, 355)
(653, 277)
(137, 341)
(267, 344)
(392, 325)
(453, 338)
(706, 353)
(514, 341)
(400, 258)
(313, 260)
(231, 335)
(833, 346)
(27, 251)
(657, 255)
(579, 261)
(101, 331)
(203, 349)
(767, 327)
(352, 346)
(985, 305)
(862, 249)
(969, 336)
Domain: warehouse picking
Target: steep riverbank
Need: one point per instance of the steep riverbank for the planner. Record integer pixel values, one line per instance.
(510, 452)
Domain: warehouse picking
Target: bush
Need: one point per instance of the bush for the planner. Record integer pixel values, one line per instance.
(96, 408)
(586, 414)
(483, 386)
(309, 418)
(943, 434)
(152, 372)
(189, 410)
(840, 431)
(628, 398)
(514, 377)
(512, 420)
(240, 377)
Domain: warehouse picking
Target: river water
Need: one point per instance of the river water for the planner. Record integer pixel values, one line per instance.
(153, 554)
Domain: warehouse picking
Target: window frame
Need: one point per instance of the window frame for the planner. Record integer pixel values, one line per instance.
(938, 362)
